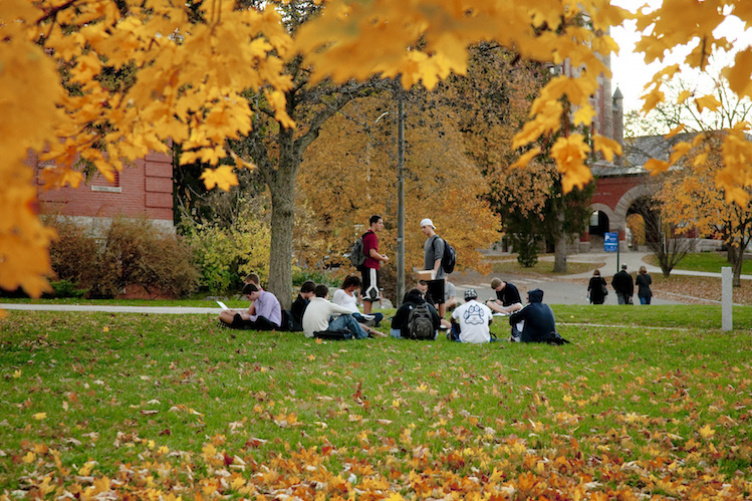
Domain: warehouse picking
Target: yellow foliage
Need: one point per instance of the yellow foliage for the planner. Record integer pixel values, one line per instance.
(191, 76)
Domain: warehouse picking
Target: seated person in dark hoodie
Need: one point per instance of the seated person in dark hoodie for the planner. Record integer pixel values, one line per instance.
(539, 322)
(413, 298)
(299, 305)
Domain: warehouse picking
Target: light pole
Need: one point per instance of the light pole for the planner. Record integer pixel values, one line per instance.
(400, 198)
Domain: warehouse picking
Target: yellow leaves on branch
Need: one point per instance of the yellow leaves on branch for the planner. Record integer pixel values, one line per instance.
(424, 41)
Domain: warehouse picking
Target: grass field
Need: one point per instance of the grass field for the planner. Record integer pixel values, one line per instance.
(704, 261)
(101, 406)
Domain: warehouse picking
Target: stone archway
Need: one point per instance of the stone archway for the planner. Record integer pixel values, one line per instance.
(619, 220)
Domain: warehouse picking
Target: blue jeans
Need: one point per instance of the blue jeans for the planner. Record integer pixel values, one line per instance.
(377, 317)
(349, 323)
(644, 299)
(397, 334)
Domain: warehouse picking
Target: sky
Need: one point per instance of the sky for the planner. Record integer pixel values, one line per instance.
(630, 73)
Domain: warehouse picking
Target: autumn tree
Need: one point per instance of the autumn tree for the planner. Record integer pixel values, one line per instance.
(690, 197)
(492, 101)
(191, 61)
(351, 173)
(692, 202)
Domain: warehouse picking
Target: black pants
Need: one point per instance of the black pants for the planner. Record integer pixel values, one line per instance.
(260, 324)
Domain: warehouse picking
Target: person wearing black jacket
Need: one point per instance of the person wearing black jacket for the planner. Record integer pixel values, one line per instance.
(413, 298)
(596, 288)
(539, 323)
(623, 285)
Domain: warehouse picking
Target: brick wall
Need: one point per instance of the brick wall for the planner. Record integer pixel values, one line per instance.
(609, 190)
(143, 188)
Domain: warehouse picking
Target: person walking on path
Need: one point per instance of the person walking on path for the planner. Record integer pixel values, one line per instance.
(623, 285)
(597, 290)
(370, 270)
(643, 281)
(433, 250)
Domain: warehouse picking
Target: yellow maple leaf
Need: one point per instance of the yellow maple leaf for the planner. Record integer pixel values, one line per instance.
(223, 176)
(707, 102)
(706, 432)
(608, 147)
(40, 415)
(655, 166)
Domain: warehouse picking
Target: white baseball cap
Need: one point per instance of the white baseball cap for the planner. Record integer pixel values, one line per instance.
(427, 222)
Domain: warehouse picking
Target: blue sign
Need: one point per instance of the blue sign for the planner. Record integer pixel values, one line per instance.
(611, 241)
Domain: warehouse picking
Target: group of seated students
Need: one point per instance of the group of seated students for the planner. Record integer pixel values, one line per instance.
(417, 317)
(310, 312)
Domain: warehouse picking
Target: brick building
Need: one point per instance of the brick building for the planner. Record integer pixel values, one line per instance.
(145, 188)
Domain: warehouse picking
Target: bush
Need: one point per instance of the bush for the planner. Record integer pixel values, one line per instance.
(73, 255)
(225, 255)
(130, 252)
(66, 288)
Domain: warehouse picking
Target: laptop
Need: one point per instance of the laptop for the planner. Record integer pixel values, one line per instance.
(222, 305)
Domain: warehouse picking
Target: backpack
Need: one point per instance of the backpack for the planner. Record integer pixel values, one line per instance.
(420, 323)
(357, 255)
(333, 335)
(449, 258)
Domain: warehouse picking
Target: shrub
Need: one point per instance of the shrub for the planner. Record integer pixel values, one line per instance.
(74, 253)
(225, 255)
(129, 252)
(66, 288)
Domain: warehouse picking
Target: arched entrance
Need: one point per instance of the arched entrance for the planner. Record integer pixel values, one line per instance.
(643, 222)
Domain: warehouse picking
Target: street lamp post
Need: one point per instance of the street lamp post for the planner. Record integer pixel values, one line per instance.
(400, 198)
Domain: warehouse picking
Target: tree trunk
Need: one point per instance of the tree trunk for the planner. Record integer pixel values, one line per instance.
(736, 259)
(282, 187)
(560, 247)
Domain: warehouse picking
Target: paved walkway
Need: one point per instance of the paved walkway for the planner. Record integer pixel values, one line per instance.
(561, 290)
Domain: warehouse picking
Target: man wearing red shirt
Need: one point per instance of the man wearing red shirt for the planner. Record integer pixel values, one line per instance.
(370, 270)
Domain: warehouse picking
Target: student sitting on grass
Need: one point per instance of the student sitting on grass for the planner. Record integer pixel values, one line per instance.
(267, 311)
(347, 296)
(318, 316)
(300, 304)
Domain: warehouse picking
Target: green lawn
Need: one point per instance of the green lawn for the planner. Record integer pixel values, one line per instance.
(141, 406)
(704, 261)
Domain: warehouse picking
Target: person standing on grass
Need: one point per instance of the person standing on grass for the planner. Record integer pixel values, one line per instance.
(643, 286)
(623, 285)
(267, 314)
(433, 252)
(370, 269)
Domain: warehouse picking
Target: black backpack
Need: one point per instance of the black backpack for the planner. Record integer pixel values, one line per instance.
(357, 255)
(449, 258)
(420, 323)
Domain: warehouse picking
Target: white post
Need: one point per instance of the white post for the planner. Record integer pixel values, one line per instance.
(727, 311)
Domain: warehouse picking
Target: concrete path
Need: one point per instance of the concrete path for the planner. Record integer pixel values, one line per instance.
(174, 310)
(561, 289)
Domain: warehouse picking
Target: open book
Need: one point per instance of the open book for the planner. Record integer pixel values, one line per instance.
(222, 305)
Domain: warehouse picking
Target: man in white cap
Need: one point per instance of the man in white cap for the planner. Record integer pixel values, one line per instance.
(433, 252)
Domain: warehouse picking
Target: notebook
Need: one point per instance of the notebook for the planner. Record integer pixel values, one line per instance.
(222, 305)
